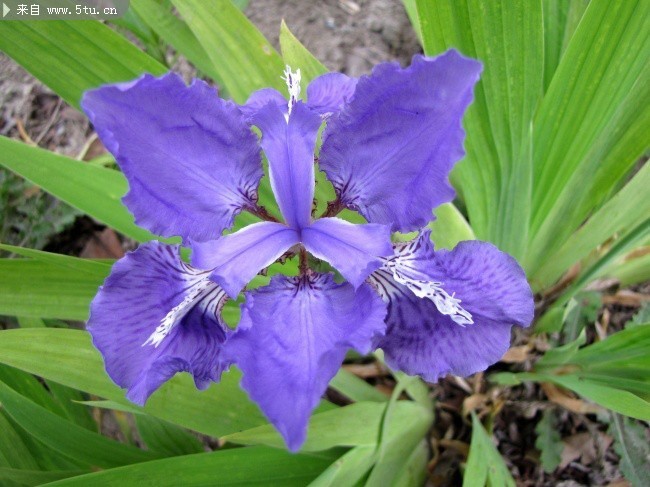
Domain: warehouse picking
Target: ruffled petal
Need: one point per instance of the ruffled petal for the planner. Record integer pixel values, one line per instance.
(236, 258)
(191, 160)
(389, 152)
(329, 92)
(354, 250)
(289, 147)
(156, 316)
(260, 98)
(489, 284)
(291, 340)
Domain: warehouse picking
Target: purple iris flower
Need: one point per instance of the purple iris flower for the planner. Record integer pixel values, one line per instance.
(193, 163)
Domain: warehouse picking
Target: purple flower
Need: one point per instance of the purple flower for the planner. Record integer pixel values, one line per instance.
(193, 163)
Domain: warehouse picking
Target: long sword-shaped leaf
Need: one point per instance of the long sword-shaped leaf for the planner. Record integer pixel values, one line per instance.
(355, 425)
(36, 289)
(35, 477)
(73, 56)
(177, 34)
(298, 57)
(96, 267)
(67, 438)
(591, 126)
(495, 178)
(256, 466)
(485, 466)
(94, 190)
(67, 357)
(634, 270)
(245, 59)
(628, 207)
(561, 18)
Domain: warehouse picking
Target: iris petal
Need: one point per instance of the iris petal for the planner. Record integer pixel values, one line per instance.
(291, 340)
(289, 147)
(191, 160)
(389, 152)
(156, 316)
(260, 98)
(492, 287)
(236, 258)
(329, 92)
(354, 250)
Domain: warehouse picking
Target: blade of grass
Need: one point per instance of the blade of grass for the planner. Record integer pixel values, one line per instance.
(73, 56)
(495, 178)
(94, 190)
(245, 59)
(591, 126)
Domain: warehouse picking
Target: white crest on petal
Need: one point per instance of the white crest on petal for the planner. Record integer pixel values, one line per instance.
(403, 266)
(203, 292)
(293, 86)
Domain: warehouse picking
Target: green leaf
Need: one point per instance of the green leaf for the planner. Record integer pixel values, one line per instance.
(355, 388)
(581, 311)
(37, 289)
(632, 445)
(642, 317)
(297, 56)
(166, 438)
(449, 227)
(397, 439)
(607, 262)
(30, 387)
(34, 477)
(177, 34)
(13, 451)
(485, 465)
(610, 396)
(93, 267)
(355, 425)
(245, 59)
(549, 441)
(256, 466)
(67, 357)
(612, 372)
(495, 178)
(67, 438)
(551, 321)
(73, 56)
(561, 18)
(68, 399)
(591, 127)
(632, 270)
(414, 471)
(628, 207)
(349, 469)
(94, 190)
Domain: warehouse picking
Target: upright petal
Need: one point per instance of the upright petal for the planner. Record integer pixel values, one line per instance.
(289, 147)
(191, 160)
(389, 152)
(328, 93)
(291, 340)
(260, 98)
(492, 287)
(354, 250)
(155, 316)
(236, 258)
